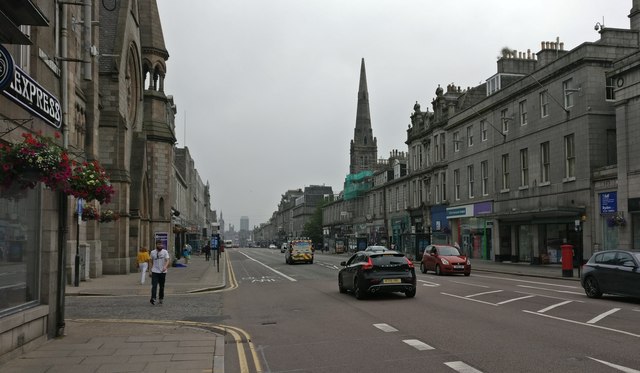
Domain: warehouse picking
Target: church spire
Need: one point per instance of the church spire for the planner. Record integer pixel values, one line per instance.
(364, 147)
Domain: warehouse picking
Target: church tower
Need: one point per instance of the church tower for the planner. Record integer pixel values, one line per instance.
(364, 147)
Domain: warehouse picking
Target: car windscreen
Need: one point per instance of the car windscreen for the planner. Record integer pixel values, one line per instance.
(388, 259)
(448, 250)
(637, 256)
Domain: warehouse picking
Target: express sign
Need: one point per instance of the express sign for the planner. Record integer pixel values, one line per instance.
(26, 92)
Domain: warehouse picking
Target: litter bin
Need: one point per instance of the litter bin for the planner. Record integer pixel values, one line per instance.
(567, 260)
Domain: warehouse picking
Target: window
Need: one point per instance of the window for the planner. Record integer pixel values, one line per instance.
(567, 88)
(484, 176)
(456, 184)
(505, 172)
(483, 130)
(470, 136)
(522, 107)
(456, 141)
(419, 156)
(470, 176)
(390, 199)
(570, 157)
(443, 181)
(609, 87)
(436, 143)
(443, 153)
(420, 195)
(436, 179)
(427, 188)
(544, 163)
(524, 167)
(544, 104)
(505, 121)
(428, 153)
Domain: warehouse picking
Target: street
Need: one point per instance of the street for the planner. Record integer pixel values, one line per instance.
(285, 318)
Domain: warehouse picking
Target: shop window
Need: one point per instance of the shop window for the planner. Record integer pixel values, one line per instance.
(19, 249)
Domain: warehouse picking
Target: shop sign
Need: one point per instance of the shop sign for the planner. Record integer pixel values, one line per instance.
(162, 237)
(6, 67)
(26, 92)
(483, 208)
(460, 212)
(608, 202)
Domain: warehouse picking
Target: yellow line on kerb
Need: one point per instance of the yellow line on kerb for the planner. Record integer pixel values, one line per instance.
(254, 353)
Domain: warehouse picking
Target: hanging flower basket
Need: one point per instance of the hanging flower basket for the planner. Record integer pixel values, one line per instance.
(616, 221)
(108, 216)
(89, 213)
(90, 182)
(36, 159)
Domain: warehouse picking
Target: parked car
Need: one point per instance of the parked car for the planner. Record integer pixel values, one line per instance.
(272, 246)
(612, 272)
(376, 248)
(371, 272)
(283, 247)
(444, 259)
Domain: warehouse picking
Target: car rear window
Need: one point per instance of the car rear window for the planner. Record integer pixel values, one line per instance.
(388, 259)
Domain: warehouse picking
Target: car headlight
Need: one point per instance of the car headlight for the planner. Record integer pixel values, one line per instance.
(444, 261)
(468, 262)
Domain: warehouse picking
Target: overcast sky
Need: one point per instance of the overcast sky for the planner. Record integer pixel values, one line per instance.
(266, 90)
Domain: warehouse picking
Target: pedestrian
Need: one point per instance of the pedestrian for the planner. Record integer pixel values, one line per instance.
(207, 252)
(143, 263)
(186, 253)
(159, 264)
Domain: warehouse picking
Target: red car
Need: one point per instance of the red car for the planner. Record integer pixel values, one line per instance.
(444, 259)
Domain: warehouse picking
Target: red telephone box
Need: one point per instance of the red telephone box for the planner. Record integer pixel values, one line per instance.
(567, 260)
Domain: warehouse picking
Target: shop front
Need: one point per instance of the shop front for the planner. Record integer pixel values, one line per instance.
(472, 231)
(440, 229)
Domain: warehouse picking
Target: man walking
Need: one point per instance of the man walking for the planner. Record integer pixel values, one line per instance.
(159, 264)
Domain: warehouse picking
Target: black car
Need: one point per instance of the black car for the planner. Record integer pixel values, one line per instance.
(371, 272)
(612, 272)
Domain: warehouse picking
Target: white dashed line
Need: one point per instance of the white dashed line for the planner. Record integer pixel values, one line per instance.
(429, 283)
(273, 269)
(583, 324)
(461, 367)
(554, 290)
(516, 299)
(385, 328)
(616, 366)
(476, 285)
(471, 299)
(418, 345)
(603, 315)
(554, 306)
(485, 293)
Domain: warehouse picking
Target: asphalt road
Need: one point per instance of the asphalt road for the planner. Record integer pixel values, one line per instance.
(291, 318)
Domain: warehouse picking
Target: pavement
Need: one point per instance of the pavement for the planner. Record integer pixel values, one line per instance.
(100, 346)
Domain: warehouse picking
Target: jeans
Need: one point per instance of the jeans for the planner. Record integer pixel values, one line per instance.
(143, 271)
(157, 279)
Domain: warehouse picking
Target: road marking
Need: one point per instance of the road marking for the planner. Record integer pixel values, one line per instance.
(486, 292)
(615, 366)
(582, 323)
(471, 299)
(527, 282)
(557, 291)
(418, 345)
(554, 306)
(273, 269)
(385, 328)
(429, 283)
(461, 367)
(516, 299)
(476, 285)
(603, 315)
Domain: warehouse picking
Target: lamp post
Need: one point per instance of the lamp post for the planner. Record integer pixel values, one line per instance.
(76, 273)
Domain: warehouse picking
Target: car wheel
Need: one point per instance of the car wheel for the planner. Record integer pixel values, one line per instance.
(410, 293)
(467, 274)
(311, 262)
(357, 290)
(423, 268)
(340, 287)
(591, 287)
(438, 270)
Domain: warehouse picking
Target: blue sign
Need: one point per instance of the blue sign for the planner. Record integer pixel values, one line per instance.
(608, 202)
(6, 67)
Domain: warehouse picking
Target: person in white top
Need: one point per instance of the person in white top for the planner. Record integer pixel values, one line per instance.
(159, 264)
